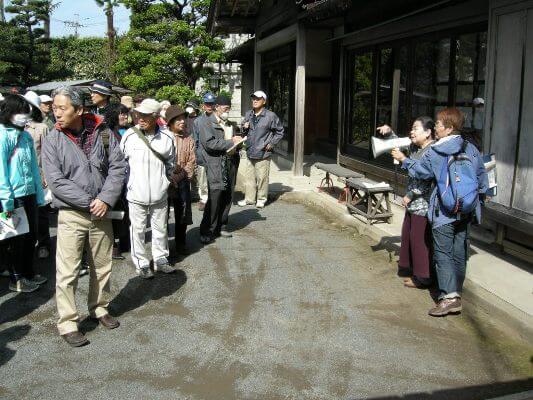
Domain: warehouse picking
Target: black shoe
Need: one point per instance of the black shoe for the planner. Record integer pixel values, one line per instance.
(117, 255)
(75, 339)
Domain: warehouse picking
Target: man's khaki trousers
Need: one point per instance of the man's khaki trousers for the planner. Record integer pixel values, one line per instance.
(76, 231)
(256, 180)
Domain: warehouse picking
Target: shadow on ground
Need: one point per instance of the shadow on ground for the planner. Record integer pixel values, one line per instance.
(9, 335)
(478, 392)
(140, 291)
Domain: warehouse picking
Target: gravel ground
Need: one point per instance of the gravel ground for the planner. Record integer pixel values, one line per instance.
(292, 307)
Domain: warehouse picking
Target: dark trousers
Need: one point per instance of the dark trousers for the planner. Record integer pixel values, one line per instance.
(450, 247)
(20, 250)
(181, 202)
(121, 227)
(415, 251)
(43, 226)
(216, 211)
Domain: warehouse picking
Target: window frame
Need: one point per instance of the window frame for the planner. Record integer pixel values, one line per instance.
(453, 34)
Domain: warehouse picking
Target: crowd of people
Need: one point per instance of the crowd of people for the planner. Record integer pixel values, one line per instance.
(111, 171)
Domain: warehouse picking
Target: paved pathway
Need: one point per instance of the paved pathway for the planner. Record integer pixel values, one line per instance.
(291, 307)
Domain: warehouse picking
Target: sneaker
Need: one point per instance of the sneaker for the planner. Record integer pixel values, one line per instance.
(23, 285)
(225, 233)
(43, 252)
(260, 203)
(4, 273)
(244, 203)
(84, 270)
(165, 268)
(145, 273)
(38, 279)
(445, 307)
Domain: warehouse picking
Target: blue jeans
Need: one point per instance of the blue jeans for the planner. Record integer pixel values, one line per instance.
(450, 246)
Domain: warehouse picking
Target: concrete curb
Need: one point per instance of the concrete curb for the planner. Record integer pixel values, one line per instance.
(500, 310)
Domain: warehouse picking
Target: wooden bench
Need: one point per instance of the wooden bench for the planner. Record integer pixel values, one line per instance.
(342, 173)
(366, 199)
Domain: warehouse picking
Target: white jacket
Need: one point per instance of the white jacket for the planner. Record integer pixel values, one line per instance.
(147, 181)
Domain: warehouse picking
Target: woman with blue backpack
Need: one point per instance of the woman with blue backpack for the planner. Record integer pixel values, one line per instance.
(461, 182)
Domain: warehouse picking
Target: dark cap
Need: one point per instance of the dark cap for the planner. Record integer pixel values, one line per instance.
(102, 87)
(174, 112)
(193, 103)
(223, 101)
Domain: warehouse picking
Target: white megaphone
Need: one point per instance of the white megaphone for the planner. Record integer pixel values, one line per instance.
(380, 146)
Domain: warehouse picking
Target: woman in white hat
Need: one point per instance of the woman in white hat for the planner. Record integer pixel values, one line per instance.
(38, 131)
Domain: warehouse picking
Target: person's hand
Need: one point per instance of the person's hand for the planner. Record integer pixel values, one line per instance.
(236, 139)
(268, 147)
(384, 130)
(98, 208)
(398, 155)
(406, 200)
(246, 125)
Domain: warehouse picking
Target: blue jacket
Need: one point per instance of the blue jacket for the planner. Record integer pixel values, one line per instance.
(19, 170)
(266, 128)
(429, 167)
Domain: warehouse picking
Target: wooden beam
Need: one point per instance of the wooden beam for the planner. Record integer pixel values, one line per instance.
(299, 99)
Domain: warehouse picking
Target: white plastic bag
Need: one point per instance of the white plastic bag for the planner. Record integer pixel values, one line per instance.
(16, 225)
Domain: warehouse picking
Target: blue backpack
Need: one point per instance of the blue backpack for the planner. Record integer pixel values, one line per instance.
(457, 184)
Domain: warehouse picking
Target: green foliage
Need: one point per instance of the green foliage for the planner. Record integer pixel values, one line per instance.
(23, 47)
(175, 94)
(78, 58)
(167, 47)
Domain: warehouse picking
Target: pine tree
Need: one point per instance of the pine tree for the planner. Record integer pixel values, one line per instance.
(28, 50)
(167, 48)
(111, 33)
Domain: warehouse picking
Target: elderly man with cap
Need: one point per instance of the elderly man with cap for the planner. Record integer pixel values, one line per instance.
(216, 144)
(46, 109)
(101, 92)
(208, 107)
(86, 182)
(180, 181)
(264, 130)
(150, 153)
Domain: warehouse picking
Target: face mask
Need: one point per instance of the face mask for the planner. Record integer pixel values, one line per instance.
(20, 120)
(224, 116)
(190, 110)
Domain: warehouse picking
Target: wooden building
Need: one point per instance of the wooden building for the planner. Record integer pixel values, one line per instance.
(334, 70)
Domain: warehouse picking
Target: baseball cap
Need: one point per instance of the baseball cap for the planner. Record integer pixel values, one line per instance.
(478, 100)
(259, 94)
(223, 101)
(148, 106)
(208, 98)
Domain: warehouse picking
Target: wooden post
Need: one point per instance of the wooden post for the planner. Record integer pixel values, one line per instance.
(257, 68)
(299, 99)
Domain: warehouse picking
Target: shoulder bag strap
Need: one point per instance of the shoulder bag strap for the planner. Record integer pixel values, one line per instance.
(145, 141)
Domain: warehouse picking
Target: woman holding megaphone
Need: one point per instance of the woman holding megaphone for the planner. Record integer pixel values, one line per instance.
(415, 253)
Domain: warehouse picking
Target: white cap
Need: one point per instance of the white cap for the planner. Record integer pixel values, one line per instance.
(149, 106)
(259, 93)
(33, 98)
(45, 98)
(477, 101)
